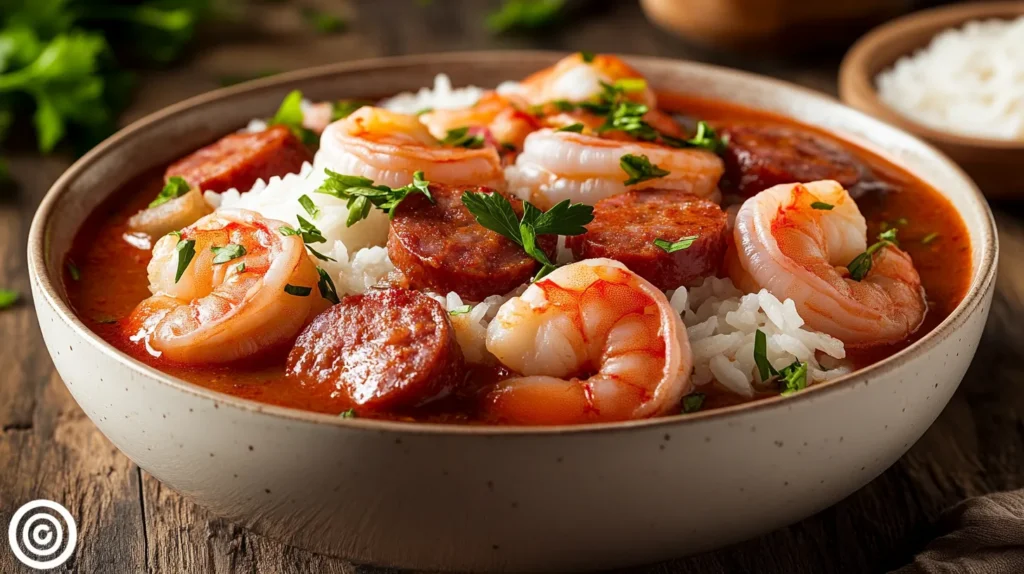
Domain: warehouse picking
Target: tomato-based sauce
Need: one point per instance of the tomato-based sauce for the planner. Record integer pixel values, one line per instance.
(112, 278)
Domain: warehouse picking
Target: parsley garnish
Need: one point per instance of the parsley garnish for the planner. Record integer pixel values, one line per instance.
(793, 378)
(764, 366)
(186, 249)
(587, 57)
(693, 402)
(493, 211)
(705, 138)
(631, 85)
(309, 206)
(461, 310)
(319, 255)
(822, 206)
(326, 286)
(575, 128)
(173, 189)
(861, 264)
(362, 194)
(673, 246)
(289, 114)
(8, 298)
(229, 252)
(349, 414)
(930, 237)
(343, 108)
(563, 105)
(73, 271)
(639, 169)
(461, 137)
(297, 290)
(424, 111)
(240, 268)
(308, 231)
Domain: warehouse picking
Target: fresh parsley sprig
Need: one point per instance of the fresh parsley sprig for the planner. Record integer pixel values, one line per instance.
(791, 378)
(290, 115)
(362, 194)
(861, 264)
(672, 246)
(173, 189)
(463, 137)
(639, 168)
(495, 212)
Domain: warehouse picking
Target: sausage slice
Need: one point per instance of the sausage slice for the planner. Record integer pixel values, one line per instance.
(384, 350)
(760, 156)
(440, 246)
(625, 227)
(238, 160)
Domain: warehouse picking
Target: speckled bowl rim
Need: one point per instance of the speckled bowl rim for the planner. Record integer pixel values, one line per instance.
(49, 286)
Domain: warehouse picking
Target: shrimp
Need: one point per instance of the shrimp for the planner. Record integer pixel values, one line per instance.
(389, 148)
(576, 80)
(559, 165)
(502, 117)
(593, 342)
(221, 312)
(796, 251)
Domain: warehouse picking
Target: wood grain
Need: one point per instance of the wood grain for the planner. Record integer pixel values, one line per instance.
(129, 522)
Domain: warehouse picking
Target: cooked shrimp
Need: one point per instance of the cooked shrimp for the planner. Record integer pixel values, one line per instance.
(593, 342)
(575, 80)
(220, 312)
(798, 252)
(502, 117)
(389, 148)
(583, 168)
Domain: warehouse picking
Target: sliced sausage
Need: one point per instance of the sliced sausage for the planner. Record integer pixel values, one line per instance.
(238, 160)
(625, 227)
(384, 350)
(440, 246)
(760, 156)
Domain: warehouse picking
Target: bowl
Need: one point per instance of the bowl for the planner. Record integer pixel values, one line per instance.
(474, 498)
(994, 164)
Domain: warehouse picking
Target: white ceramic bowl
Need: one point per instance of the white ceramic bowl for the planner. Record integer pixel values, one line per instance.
(496, 498)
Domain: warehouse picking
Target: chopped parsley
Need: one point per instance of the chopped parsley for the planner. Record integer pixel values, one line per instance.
(563, 105)
(575, 128)
(319, 255)
(930, 237)
(424, 111)
(173, 189)
(290, 115)
(639, 168)
(460, 310)
(240, 268)
(326, 286)
(309, 206)
(793, 378)
(705, 138)
(861, 264)
(764, 366)
(362, 194)
(308, 231)
(73, 271)
(343, 108)
(631, 85)
(462, 137)
(229, 252)
(693, 402)
(186, 249)
(8, 298)
(587, 57)
(493, 211)
(297, 290)
(673, 246)
(349, 414)
(822, 206)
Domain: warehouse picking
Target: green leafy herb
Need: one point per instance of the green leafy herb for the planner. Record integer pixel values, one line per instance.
(563, 105)
(323, 22)
(461, 137)
(308, 231)
(587, 57)
(240, 268)
(639, 169)
(297, 290)
(349, 414)
(73, 271)
(793, 378)
(631, 85)
(930, 237)
(576, 128)
(326, 285)
(289, 114)
(343, 108)
(524, 15)
(704, 138)
(173, 189)
(693, 402)
(673, 246)
(319, 255)
(362, 194)
(764, 366)
(861, 264)
(424, 111)
(493, 211)
(461, 310)
(309, 206)
(7, 298)
(229, 252)
(822, 206)
(186, 249)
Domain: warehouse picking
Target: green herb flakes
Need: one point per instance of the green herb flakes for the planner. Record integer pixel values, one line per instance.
(297, 290)
(310, 207)
(861, 264)
(693, 402)
(289, 114)
(173, 189)
(362, 194)
(342, 109)
(462, 137)
(930, 238)
(460, 310)
(575, 128)
(348, 414)
(764, 366)
(587, 57)
(186, 249)
(639, 168)
(229, 252)
(822, 206)
(793, 378)
(678, 245)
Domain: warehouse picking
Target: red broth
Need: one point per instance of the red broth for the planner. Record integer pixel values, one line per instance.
(112, 277)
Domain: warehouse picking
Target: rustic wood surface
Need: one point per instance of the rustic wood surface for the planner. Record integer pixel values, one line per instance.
(129, 522)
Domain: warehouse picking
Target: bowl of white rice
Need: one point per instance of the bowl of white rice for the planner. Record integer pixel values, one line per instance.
(953, 76)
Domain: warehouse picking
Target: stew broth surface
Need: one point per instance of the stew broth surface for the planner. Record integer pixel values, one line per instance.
(113, 279)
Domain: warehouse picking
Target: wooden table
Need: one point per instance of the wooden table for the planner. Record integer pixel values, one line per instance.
(129, 522)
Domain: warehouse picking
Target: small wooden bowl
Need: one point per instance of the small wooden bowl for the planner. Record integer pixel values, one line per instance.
(993, 164)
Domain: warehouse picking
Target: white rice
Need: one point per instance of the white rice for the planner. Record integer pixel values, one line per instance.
(968, 80)
(442, 97)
